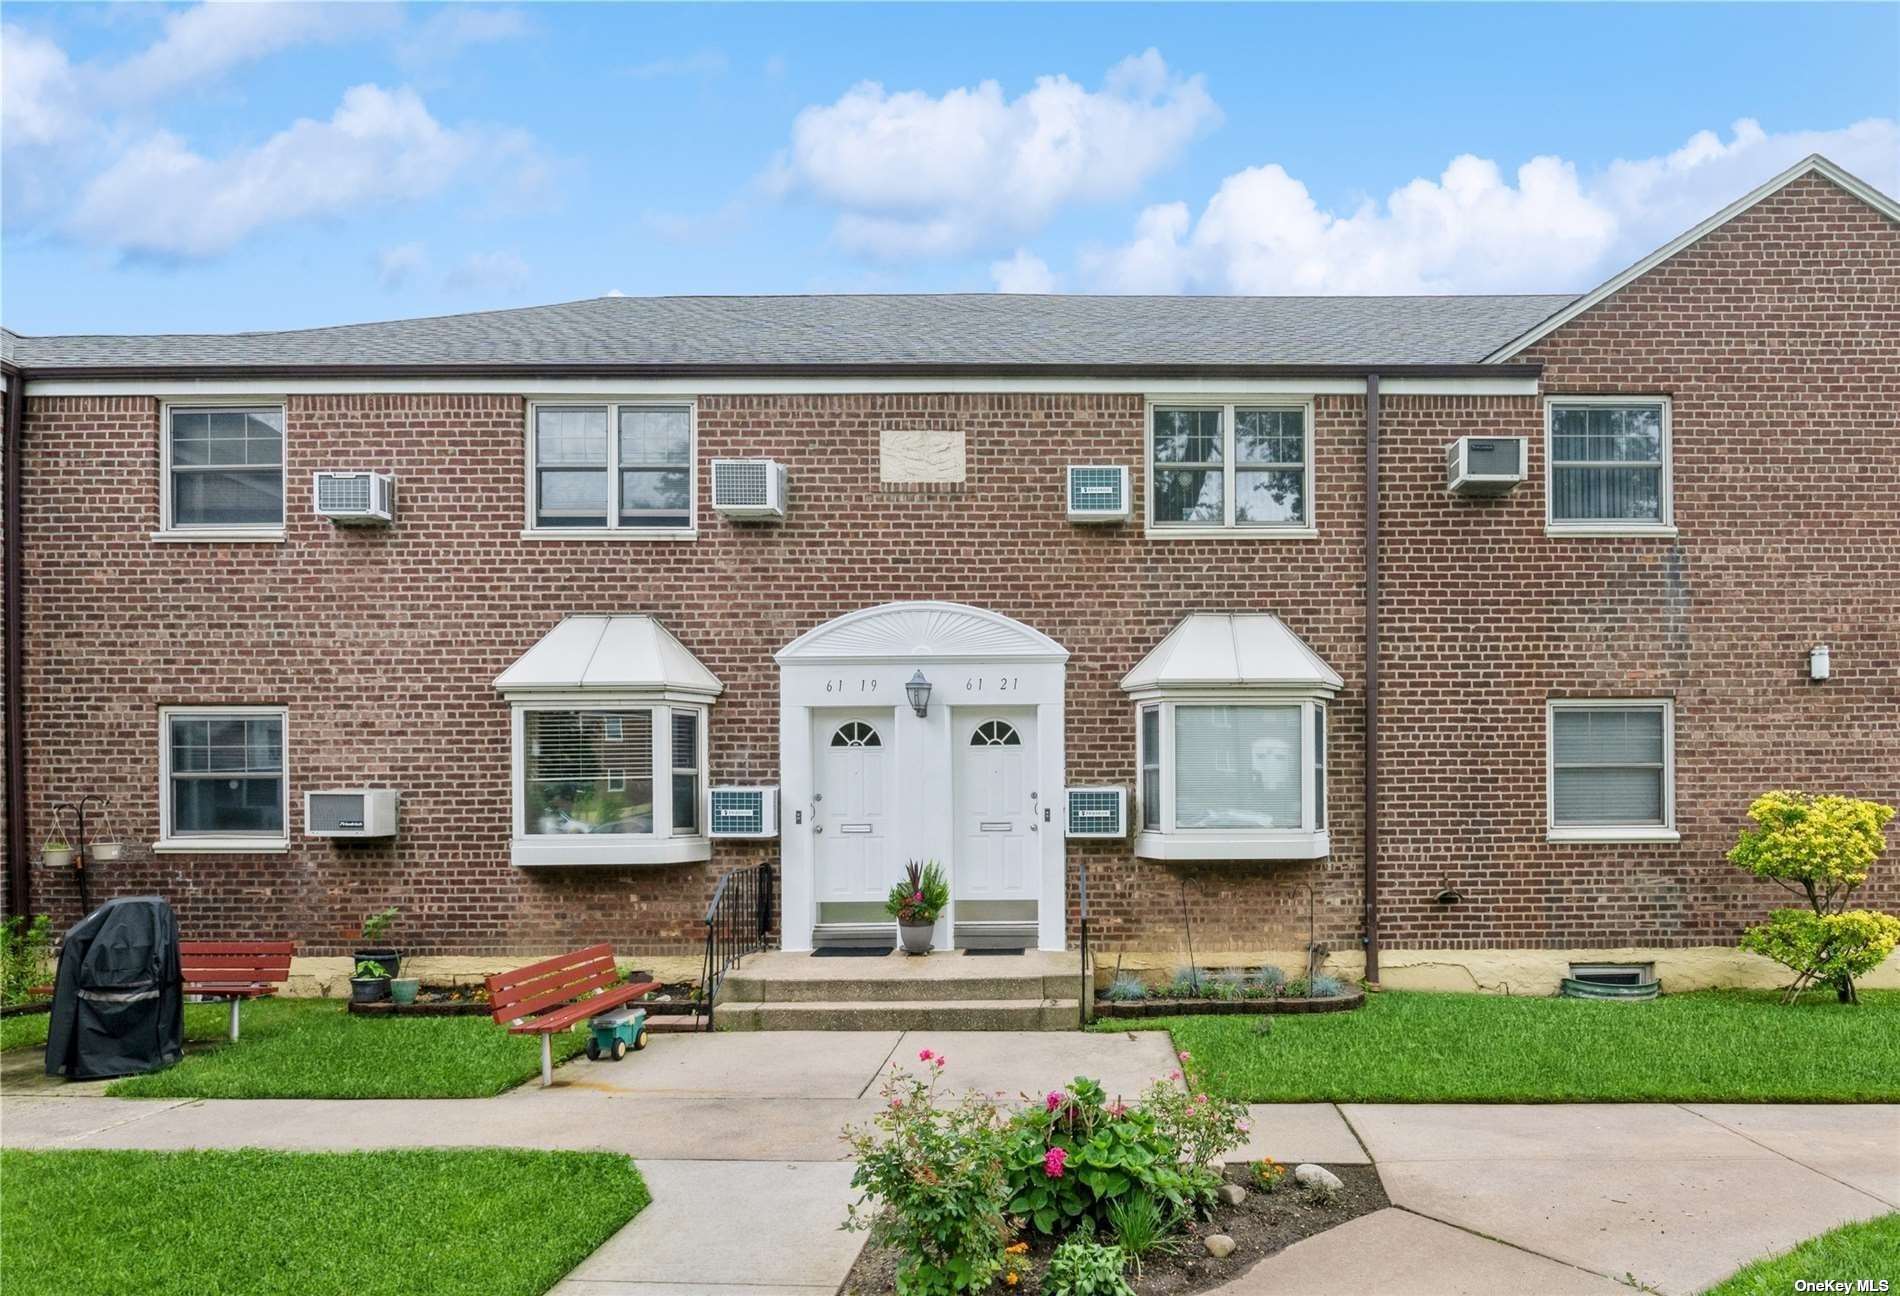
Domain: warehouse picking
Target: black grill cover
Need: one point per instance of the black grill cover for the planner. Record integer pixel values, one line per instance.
(119, 1003)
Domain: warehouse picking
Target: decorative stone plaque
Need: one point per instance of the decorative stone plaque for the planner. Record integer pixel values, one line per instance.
(920, 455)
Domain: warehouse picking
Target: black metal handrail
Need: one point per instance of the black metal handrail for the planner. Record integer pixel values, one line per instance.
(738, 920)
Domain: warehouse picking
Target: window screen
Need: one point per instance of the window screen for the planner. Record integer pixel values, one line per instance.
(227, 467)
(1269, 467)
(588, 772)
(1236, 767)
(1606, 463)
(655, 466)
(227, 774)
(1607, 766)
(570, 466)
(1189, 478)
(1151, 767)
(685, 771)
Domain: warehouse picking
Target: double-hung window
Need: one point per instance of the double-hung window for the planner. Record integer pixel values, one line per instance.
(609, 784)
(1612, 770)
(1230, 469)
(223, 470)
(611, 468)
(224, 785)
(1610, 466)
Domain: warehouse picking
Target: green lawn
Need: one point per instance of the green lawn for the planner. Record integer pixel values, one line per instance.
(447, 1223)
(1870, 1249)
(1408, 1046)
(313, 1048)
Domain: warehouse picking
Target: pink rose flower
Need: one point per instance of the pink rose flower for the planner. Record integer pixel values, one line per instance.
(1052, 1162)
(942, 1061)
(1174, 1075)
(1185, 1056)
(924, 1055)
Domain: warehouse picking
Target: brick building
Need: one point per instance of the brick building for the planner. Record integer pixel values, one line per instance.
(1589, 657)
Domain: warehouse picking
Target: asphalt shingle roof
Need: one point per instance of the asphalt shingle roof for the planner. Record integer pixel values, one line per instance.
(973, 329)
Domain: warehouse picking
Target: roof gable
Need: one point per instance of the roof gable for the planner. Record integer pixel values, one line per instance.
(1813, 164)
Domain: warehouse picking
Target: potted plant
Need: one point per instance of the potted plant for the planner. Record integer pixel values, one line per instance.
(375, 931)
(370, 984)
(915, 903)
(57, 853)
(403, 989)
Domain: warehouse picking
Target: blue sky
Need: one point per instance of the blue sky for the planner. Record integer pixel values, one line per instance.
(227, 167)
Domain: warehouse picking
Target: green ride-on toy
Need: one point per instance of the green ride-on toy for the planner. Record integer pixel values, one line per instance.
(612, 1033)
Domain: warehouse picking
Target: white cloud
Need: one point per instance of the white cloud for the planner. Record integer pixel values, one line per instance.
(450, 30)
(203, 43)
(161, 198)
(913, 174)
(39, 94)
(1025, 272)
(399, 266)
(1472, 229)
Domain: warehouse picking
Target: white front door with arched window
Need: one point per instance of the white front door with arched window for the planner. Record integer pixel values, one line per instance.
(974, 782)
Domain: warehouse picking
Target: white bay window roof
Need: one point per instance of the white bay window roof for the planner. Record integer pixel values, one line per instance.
(1249, 652)
(622, 655)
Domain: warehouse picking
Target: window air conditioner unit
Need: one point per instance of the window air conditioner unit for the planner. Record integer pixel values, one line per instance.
(1098, 812)
(350, 812)
(749, 488)
(1484, 465)
(357, 498)
(1098, 493)
(743, 812)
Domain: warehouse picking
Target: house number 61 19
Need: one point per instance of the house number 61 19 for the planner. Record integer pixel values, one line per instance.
(865, 685)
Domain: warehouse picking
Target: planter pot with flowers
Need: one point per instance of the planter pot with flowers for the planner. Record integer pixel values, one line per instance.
(57, 852)
(916, 901)
(375, 930)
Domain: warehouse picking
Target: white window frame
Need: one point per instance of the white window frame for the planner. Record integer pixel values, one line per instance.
(253, 533)
(1663, 832)
(1593, 527)
(1310, 840)
(1228, 529)
(613, 530)
(661, 846)
(170, 842)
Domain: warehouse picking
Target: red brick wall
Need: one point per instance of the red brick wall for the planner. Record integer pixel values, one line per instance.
(385, 645)
(1778, 341)
(1775, 339)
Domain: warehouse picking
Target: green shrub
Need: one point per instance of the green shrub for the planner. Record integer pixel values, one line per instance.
(933, 1184)
(1188, 983)
(1143, 1226)
(1295, 989)
(26, 956)
(1821, 849)
(1084, 1267)
(1126, 988)
(1070, 1159)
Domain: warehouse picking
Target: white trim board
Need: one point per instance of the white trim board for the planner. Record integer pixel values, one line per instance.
(1813, 164)
(632, 388)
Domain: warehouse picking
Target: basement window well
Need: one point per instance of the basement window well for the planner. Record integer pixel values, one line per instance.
(1613, 974)
(1231, 738)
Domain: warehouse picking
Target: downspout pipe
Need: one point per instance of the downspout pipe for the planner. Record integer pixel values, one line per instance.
(13, 621)
(1372, 682)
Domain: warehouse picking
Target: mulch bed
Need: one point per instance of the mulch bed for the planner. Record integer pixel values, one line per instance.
(1158, 1007)
(471, 1000)
(1262, 1224)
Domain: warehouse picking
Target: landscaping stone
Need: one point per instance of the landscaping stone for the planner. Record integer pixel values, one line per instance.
(1316, 1176)
(1218, 1245)
(1231, 1194)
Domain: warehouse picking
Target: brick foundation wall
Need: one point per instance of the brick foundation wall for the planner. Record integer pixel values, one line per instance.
(1776, 339)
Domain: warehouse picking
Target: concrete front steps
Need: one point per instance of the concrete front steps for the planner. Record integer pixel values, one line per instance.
(947, 990)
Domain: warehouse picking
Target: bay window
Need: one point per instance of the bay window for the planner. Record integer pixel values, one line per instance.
(608, 783)
(1223, 779)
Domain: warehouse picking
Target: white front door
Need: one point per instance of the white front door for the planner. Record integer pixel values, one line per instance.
(851, 796)
(998, 866)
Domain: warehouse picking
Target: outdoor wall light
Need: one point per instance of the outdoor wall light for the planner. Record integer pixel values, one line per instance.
(1819, 668)
(918, 690)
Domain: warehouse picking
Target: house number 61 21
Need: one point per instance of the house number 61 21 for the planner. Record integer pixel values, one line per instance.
(1004, 683)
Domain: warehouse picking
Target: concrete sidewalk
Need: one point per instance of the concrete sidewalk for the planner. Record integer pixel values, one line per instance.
(738, 1136)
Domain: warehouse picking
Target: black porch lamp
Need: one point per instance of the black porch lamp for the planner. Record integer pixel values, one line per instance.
(918, 690)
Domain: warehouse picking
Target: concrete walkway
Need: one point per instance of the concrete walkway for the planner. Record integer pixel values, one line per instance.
(738, 1136)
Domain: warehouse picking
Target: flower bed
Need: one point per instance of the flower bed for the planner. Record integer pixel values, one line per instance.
(1073, 1194)
(1235, 991)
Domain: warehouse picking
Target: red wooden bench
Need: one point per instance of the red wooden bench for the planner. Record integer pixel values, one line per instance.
(552, 995)
(235, 970)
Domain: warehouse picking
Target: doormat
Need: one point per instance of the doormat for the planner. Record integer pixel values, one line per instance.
(851, 951)
(987, 953)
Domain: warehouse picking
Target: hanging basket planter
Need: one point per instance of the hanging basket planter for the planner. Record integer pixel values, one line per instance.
(105, 852)
(56, 853)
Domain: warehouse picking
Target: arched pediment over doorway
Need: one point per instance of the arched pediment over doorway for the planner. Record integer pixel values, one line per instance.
(922, 631)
